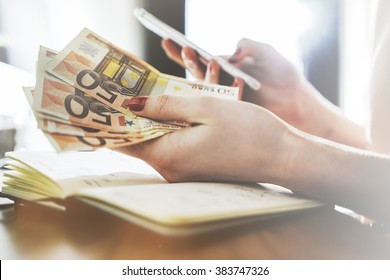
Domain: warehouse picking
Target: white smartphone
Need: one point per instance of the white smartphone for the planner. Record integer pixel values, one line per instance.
(165, 31)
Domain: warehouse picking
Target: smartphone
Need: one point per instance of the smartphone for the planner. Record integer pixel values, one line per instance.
(167, 32)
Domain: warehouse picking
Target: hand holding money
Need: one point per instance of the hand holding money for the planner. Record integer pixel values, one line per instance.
(81, 95)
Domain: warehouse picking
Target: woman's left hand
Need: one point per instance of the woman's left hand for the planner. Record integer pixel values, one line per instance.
(227, 140)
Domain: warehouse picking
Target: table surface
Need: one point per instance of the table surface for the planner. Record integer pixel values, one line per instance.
(38, 232)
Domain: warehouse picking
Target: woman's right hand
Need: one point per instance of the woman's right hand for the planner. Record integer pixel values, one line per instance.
(186, 57)
(282, 86)
(284, 90)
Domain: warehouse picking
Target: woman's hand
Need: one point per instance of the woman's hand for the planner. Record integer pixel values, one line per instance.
(239, 141)
(185, 57)
(227, 140)
(284, 90)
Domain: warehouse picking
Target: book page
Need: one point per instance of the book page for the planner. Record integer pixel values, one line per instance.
(3, 200)
(190, 203)
(71, 171)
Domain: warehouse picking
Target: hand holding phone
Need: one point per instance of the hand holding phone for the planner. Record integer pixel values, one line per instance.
(167, 32)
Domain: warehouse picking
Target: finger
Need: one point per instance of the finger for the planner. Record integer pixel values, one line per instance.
(169, 108)
(249, 48)
(192, 63)
(147, 151)
(173, 51)
(212, 73)
(134, 150)
(240, 84)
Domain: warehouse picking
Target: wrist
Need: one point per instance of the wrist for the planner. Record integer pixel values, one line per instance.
(291, 151)
(314, 111)
(294, 153)
(325, 120)
(338, 174)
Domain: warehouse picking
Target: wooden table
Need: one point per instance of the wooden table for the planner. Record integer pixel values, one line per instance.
(37, 232)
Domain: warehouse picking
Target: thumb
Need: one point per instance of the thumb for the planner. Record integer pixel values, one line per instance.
(168, 108)
(249, 48)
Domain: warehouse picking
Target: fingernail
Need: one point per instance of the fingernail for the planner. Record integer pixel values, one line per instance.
(189, 63)
(233, 58)
(209, 67)
(212, 66)
(137, 104)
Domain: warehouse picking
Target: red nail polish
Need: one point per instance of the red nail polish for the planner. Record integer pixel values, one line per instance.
(137, 104)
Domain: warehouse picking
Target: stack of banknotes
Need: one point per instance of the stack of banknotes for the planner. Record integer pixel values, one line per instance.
(81, 94)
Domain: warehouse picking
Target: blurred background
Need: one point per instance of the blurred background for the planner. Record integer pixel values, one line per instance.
(329, 40)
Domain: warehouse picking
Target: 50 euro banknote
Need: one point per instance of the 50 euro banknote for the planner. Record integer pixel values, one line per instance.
(113, 76)
(67, 137)
(81, 95)
(57, 99)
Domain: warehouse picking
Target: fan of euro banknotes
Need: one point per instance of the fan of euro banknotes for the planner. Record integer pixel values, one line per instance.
(81, 95)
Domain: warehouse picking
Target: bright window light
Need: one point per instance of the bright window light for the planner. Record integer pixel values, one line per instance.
(218, 25)
(356, 51)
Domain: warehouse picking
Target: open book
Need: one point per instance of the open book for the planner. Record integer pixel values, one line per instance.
(130, 189)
